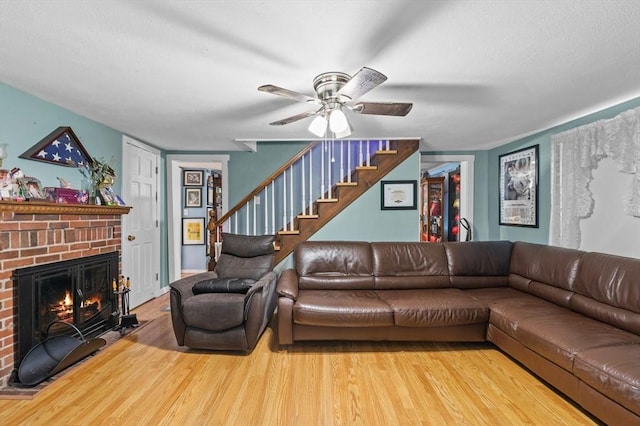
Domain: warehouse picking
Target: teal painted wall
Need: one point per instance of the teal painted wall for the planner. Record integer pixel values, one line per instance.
(25, 120)
(543, 139)
(248, 169)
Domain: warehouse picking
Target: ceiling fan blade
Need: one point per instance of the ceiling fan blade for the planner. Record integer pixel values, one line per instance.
(295, 118)
(383, 108)
(290, 94)
(362, 82)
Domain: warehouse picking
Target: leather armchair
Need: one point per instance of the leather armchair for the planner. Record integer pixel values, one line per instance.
(227, 308)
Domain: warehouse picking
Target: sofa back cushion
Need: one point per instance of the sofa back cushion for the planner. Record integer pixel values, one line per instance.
(409, 265)
(546, 271)
(334, 265)
(478, 264)
(608, 289)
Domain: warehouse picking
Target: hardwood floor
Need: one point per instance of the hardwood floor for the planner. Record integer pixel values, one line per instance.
(146, 379)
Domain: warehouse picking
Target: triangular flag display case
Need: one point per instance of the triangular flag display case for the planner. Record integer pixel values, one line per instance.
(61, 147)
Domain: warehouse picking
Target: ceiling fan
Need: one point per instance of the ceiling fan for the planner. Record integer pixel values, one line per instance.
(335, 91)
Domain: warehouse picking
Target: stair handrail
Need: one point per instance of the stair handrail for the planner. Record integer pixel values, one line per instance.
(240, 204)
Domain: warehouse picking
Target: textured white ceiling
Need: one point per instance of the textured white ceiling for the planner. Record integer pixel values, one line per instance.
(183, 75)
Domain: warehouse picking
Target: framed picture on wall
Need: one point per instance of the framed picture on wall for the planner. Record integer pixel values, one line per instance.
(398, 195)
(193, 197)
(519, 188)
(192, 177)
(193, 231)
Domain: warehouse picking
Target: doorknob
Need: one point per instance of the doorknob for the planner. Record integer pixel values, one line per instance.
(131, 237)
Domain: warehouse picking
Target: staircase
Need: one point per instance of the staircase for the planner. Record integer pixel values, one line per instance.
(309, 190)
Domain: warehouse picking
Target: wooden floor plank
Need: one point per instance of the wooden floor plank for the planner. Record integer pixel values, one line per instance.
(145, 378)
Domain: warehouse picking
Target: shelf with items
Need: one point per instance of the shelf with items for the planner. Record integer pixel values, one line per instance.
(453, 223)
(433, 210)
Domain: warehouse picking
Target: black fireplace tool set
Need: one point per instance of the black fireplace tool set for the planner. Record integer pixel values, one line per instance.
(127, 319)
(54, 354)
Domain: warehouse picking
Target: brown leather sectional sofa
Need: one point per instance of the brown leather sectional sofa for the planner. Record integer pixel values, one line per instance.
(571, 317)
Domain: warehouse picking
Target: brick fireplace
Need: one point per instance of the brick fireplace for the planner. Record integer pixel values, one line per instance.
(34, 233)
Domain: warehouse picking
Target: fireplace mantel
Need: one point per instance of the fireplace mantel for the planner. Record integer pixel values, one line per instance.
(44, 207)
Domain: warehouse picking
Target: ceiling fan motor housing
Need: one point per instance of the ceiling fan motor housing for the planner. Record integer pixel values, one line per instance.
(328, 84)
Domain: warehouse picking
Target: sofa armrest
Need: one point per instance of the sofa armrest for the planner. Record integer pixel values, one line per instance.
(288, 284)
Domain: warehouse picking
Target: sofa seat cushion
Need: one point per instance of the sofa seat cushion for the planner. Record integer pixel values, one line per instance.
(229, 308)
(614, 371)
(434, 307)
(341, 308)
(551, 330)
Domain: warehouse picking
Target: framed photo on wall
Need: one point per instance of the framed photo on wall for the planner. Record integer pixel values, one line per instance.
(193, 231)
(192, 177)
(398, 195)
(519, 187)
(193, 197)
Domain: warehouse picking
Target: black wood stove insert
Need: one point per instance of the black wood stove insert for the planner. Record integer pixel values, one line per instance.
(77, 291)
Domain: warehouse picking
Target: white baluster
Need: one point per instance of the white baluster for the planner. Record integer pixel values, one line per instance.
(235, 216)
(368, 154)
(310, 182)
(349, 161)
(273, 207)
(322, 171)
(284, 200)
(380, 145)
(266, 209)
(329, 167)
(360, 160)
(291, 198)
(255, 216)
(304, 187)
(341, 161)
(388, 149)
(246, 220)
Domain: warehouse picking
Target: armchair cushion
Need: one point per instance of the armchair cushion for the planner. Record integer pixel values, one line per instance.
(214, 311)
(223, 285)
(247, 245)
(245, 256)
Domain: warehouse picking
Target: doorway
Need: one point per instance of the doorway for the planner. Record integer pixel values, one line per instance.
(466, 182)
(175, 164)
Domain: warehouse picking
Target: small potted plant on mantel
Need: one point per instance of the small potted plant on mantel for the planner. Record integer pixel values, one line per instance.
(99, 175)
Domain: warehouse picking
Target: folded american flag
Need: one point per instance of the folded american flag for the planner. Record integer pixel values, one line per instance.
(62, 147)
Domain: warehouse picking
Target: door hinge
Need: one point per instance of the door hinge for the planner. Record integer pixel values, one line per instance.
(156, 169)
(157, 276)
(157, 224)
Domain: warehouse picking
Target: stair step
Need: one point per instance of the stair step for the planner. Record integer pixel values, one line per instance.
(288, 232)
(366, 167)
(347, 184)
(387, 152)
(327, 200)
(308, 216)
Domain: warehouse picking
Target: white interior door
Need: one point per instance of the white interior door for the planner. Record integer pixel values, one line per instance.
(140, 228)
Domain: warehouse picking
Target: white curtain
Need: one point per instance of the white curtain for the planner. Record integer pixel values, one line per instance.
(574, 154)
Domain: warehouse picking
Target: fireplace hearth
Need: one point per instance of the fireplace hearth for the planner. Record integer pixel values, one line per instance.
(78, 292)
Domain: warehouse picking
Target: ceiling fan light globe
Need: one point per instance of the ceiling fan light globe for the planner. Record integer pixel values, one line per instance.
(338, 121)
(318, 126)
(343, 134)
